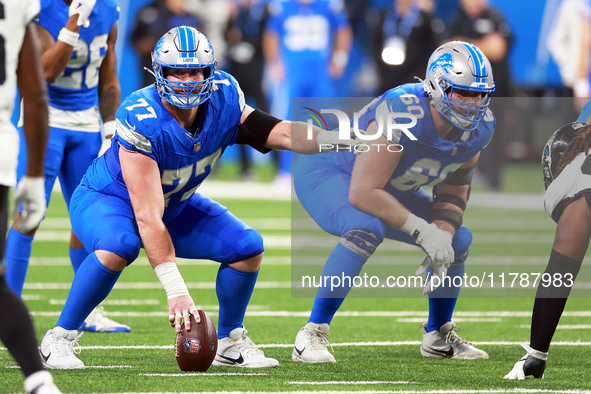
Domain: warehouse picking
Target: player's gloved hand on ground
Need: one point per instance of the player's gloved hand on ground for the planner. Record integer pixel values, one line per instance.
(434, 241)
(329, 140)
(31, 193)
(83, 8)
(179, 309)
(436, 270)
(532, 364)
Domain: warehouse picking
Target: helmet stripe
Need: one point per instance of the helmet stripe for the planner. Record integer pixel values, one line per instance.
(192, 42)
(479, 64)
(182, 41)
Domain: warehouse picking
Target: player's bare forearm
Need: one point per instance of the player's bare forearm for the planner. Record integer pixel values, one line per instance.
(56, 54)
(109, 89)
(109, 99)
(294, 136)
(33, 92)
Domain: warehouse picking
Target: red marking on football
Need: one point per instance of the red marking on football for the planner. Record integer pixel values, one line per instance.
(195, 349)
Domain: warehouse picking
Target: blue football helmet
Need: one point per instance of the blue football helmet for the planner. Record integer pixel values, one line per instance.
(555, 148)
(184, 47)
(459, 65)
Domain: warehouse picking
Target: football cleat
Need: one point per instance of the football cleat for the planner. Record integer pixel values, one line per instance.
(41, 382)
(238, 350)
(58, 348)
(311, 344)
(445, 343)
(98, 322)
(532, 364)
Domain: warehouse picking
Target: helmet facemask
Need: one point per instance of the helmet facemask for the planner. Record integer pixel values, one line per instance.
(184, 48)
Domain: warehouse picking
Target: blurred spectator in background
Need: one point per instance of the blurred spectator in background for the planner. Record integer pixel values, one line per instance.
(478, 23)
(152, 22)
(406, 36)
(306, 45)
(569, 43)
(245, 59)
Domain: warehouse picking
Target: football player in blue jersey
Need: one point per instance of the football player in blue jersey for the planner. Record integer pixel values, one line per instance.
(142, 193)
(364, 199)
(78, 41)
(567, 176)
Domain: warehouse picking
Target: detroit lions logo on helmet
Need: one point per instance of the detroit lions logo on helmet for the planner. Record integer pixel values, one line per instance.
(445, 62)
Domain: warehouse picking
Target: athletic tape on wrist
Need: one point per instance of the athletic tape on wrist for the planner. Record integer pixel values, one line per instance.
(412, 225)
(171, 279)
(68, 37)
(109, 128)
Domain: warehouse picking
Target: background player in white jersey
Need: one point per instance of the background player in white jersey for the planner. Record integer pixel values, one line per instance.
(567, 177)
(142, 193)
(20, 63)
(78, 40)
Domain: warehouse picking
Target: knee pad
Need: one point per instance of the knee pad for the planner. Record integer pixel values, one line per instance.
(127, 246)
(249, 243)
(361, 241)
(461, 244)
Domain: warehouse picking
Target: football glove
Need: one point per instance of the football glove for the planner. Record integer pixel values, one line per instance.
(328, 140)
(532, 364)
(104, 146)
(437, 270)
(31, 193)
(83, 8)
(434, 241)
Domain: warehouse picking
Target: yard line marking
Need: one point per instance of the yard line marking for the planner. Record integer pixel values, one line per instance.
(113, 302)
(149, 285)
(65, 261)
(204, 374)
(87, 366)
(350, 382)
(341, 344)
(565, 326)
(491, 391)
(456, 320)
(211, 309)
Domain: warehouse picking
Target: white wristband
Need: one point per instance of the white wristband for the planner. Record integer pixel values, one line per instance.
(171, 280)
(582, 88)
(68, 37)
(109, 128)
(340, 58)
(413, 225)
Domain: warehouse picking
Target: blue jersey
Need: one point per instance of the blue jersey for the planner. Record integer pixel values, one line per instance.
(585, 112)
(76, 88)
(429, 159)
(144, 125)
(306, 32)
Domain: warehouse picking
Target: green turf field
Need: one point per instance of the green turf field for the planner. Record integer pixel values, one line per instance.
(376, 341)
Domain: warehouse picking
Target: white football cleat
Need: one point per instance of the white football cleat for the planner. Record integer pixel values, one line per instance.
(445, 343)
(58, 348)
(238, 350)
(311, 344)
(97, 321)
(532, 364)
(41, 383)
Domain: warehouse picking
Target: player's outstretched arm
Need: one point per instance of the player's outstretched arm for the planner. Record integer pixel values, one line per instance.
(31, 189)
(142, 178)
(109, 90)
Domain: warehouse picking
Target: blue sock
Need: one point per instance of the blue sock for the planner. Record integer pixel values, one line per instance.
(443, 300)
(77, 256)
(18, 253)
(92, 283)
(342, 262)
(233, 289)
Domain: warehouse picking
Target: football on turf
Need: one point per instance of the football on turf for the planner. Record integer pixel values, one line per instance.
(195, 349)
